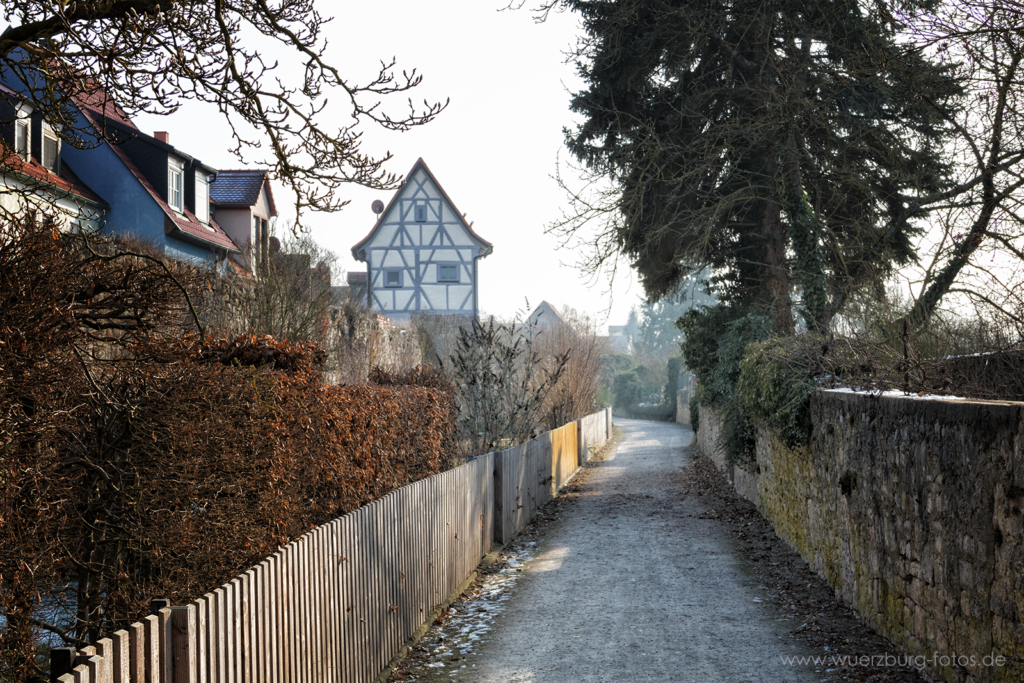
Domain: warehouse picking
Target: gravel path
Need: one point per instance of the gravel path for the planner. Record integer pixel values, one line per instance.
(635, 583)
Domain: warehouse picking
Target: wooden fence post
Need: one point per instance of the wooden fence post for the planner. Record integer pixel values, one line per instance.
(581, 449)
(183, 644)
(120, 659)
(499, 500)
(62, 661)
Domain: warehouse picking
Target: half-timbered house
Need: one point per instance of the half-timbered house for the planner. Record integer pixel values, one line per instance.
(421, 255)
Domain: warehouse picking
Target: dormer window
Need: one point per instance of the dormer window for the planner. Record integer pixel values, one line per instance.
(175, 183)
(202, 196)
(51, 150)
(22, 141)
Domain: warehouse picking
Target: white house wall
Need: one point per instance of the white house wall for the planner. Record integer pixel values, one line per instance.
(417, 248)
(67, 212)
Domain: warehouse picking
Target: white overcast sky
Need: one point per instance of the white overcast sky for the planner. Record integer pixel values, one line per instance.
(495, 149)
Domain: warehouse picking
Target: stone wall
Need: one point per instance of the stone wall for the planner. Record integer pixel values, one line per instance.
(913, 510)
(709, 434)
(687, 387)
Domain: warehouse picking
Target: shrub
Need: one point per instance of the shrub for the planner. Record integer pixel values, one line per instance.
(575, 393)
(500, 384)
(715, 341)
(777, 378)
(139, 462)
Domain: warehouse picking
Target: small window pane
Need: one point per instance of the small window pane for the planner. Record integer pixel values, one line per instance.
(51, 155)
(21, 140)
(421, 213)
(448, 273)
(175, 173)
(392, 278)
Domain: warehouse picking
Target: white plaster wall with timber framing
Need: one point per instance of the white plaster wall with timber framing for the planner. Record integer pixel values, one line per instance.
(422, 255)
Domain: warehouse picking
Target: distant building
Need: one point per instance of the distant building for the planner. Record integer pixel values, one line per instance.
(546, 318)
(618, 339)
(243, 204)
(421, 255)
(129, 183)
(355, 289)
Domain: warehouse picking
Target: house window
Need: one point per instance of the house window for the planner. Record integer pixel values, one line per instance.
(448, 273)
(21, 139)
(175, 182)
(392, 278)
(202, 196)
(51, 152)
(421, 213)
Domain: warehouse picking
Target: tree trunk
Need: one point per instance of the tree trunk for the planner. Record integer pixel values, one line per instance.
(809, 271)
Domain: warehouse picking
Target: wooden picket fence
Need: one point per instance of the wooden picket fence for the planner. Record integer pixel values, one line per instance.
(335, 605)
(593, 432)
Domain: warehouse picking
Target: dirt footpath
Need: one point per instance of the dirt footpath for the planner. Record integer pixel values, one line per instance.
(635, 579)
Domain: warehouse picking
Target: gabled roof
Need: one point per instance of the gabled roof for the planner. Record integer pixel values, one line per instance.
(546, 316)
(240, 188)
(187, 224)
(66, 182)
(486, 247)
(100, 104)
(31, 172)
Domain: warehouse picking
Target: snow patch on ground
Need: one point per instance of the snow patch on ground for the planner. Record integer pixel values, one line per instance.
(470, 618)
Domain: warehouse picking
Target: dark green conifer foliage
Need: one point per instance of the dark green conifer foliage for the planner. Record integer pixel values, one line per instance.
(779, 142)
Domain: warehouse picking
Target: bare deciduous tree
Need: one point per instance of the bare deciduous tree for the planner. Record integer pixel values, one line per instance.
(150, 56)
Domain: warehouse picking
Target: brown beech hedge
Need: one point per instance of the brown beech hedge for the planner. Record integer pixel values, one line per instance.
(139, 460)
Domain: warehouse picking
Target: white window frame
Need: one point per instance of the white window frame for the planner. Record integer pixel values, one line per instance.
(176, 195)
(50, 134)
(23, 119)
(202, 208)
(26, 126)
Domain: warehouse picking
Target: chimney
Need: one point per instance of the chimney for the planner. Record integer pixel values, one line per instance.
(163, 136)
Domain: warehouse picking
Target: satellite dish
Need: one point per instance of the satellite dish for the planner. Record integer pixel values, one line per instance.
(377, 206)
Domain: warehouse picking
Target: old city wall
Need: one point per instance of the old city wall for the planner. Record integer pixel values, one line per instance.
(912, 509)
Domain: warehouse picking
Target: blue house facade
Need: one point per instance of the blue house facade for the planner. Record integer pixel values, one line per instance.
(130, 183)
(421, 256)
(157, 192)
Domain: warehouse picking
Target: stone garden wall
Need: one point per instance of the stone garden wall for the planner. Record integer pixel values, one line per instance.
(913, 510)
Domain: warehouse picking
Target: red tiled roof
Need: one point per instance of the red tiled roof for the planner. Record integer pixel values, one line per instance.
(488, 247)
(357, 278)
(187, 223)
(239, 269)
(241, 188)
(99, 102)
(65, 181)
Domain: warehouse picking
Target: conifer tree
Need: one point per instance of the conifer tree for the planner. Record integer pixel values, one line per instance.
(782, 143)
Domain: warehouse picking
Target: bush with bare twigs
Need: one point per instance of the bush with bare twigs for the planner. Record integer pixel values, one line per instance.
(501, 384)
(137, 461)
(575, 393)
